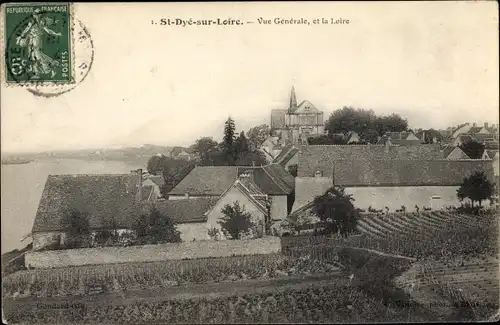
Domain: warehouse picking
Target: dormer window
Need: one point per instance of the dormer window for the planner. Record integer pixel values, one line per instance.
(318, 174)
(307, 108)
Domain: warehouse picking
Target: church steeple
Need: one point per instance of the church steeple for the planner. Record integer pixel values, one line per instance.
(293, 101)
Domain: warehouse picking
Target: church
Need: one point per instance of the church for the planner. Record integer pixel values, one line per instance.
(295, 124)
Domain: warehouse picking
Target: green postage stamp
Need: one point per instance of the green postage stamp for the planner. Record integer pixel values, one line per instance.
(38, 43)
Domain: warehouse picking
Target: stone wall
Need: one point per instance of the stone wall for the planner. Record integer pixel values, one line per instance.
(150, 253)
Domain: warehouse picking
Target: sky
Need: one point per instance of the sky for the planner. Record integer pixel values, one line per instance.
(435, 64)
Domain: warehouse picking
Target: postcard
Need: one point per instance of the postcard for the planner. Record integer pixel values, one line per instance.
(249, 162)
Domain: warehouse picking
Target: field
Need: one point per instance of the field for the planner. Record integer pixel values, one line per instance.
(313, 303)
(457, 267)
(447, 259)
(438, 234)
(96, 279)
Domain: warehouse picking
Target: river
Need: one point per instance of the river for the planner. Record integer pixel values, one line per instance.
(22, 187)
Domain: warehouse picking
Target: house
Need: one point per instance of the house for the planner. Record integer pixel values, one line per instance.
(400, 138)
(111, 201)
(490, 140)
(183, 155)
(249, 197)
(380, 176)
(494, 156)
(190, 216)
(212, 181)
(454, 153)
(287, 157)
(296, 123)
(196, 217)
(352, 137)
(156, 182)
(475, 129)
(271, 146)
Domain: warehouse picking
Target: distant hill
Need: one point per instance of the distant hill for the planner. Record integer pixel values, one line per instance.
(141, 153)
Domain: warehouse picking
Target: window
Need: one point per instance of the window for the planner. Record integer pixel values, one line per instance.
(436, 197)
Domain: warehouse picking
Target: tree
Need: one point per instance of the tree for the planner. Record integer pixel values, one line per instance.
(430, 135)
(156, 228)
(228, 143)
(155, 164)
(251, 158)
(350, 119)
(241, 146)
(78, 228)
(390, 123)
(173, 171)
(366, 123)
(257, 135)
(473, 149)
(236, 221)
(476, 188)
(205, 148)
(336, 211)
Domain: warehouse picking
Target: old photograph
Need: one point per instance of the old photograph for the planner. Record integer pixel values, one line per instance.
(249, 162)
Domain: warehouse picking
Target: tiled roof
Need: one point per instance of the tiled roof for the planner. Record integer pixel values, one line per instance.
(351, 173)
(492, 153)
(206, 180)
(286, 154)
(475, 129)
(278, 118)
(186, 210)
(448, 150)
(321, 157)
(215, 180)
(271, 179)
(308, 188)
(252, 191)
(455, 153)
(400, 138)
(100, 196)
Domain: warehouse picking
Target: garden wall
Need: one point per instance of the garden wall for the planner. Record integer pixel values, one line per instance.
(150, 253)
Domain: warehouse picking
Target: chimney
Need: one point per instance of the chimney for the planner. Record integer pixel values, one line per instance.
(186, 195)
(474, 124)
(138, 172)
(250, 174)
(423, 136)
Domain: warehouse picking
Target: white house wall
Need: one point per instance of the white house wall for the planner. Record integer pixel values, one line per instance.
(230, 197)
(193, 231)
(409, 196)
(496, 162)
(278, 207)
